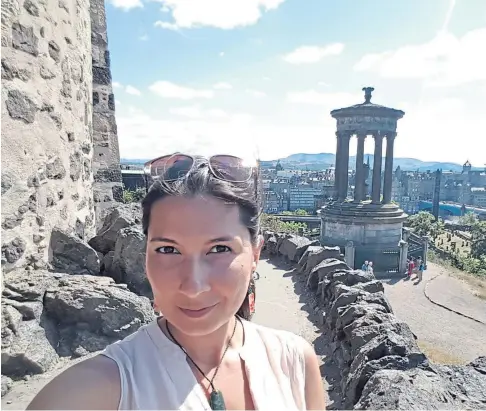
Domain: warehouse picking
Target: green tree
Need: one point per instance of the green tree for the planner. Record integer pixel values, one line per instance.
(424, 223)
(478, 240)
(133, 196)
(301, 212)
(272, 223)
(468, 219)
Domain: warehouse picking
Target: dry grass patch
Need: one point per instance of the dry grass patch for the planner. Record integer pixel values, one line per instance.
(438, 356)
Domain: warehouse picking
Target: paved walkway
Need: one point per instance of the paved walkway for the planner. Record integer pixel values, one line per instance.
(444, 335)
(454, 295)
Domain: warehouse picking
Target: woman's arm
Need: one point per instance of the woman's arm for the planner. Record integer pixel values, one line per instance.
(93, 384)
(314, 388)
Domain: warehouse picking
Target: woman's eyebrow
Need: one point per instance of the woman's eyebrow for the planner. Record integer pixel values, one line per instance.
(221, 239)
(162, 240)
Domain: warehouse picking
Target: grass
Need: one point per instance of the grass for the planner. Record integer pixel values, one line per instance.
(476, 284)
(463, 250)
(437, 356)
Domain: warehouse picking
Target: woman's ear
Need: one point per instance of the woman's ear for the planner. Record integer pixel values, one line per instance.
(257, 249)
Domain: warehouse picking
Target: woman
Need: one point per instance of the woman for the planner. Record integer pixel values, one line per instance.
(203, 244)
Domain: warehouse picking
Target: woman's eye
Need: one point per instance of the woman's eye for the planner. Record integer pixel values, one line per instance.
(220, 249)
(167, 249)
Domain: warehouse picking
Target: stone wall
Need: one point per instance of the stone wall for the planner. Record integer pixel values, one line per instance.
(380, 363)
(46, 126)
(106, 157)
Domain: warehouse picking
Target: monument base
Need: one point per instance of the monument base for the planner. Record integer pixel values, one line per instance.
(375, 231)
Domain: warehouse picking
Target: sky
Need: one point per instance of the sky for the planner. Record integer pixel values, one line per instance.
(260, 77)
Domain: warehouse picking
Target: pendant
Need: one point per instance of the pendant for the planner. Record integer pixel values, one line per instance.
(216, 401)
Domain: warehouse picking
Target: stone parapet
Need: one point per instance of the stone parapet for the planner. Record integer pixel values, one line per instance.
(47, 145)
(380, 364)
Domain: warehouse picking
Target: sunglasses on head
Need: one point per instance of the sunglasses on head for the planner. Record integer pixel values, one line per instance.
(176, 166)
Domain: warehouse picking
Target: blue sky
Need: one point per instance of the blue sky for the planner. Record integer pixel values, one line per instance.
(260, 76)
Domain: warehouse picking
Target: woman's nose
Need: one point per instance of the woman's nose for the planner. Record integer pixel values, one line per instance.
(195, 277)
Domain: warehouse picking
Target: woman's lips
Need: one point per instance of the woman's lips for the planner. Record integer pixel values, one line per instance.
(197, 313)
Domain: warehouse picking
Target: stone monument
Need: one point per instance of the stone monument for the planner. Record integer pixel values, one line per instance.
(374, 226)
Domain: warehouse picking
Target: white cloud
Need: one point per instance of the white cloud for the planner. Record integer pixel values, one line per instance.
(132, 90)
(116, 84)
(446, 60)
(334, 100)
(167, 89)
(323, 84)
(222, 86)
(313, 54)
(126, 5)
(221, 53)
(143, 37)
(223, 14)
(166, 25)
(256, 93)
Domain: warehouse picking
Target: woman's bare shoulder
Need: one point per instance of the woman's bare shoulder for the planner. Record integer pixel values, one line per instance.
(89, 385)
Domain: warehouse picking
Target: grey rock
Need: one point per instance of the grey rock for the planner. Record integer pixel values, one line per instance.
(75, 165)
(322, 270)
(73, 255)
(13, 251)
(271, 245)
(7, 181)
(294, 247)
(122, 216)
(107, 310)
(54, 51)
(21, 107)
(23, 38)
(31, 7)
(11, 71)
(55, 169)
(31, 351)
(317, 256)
(6, 384)
(128, 265)
(447, 387)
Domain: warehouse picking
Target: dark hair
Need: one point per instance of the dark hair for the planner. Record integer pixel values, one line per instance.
(200, 181)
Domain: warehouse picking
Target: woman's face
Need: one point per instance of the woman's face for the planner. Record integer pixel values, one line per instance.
(199, 261)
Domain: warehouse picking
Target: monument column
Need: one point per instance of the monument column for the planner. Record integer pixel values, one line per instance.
(388, 178)
(376, 183)
(337, 166)
(343, 180)
(359, 177)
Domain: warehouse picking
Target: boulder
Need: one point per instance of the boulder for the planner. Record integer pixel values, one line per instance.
(322, 269)
(46, 315)
(72, 255)
(294, 247)
(272, 245)
(305, 256)
(105, 307)
(128, 264)
(124, 215)
(317, 256)
(386, 351)
(446, 387)
(6, 384)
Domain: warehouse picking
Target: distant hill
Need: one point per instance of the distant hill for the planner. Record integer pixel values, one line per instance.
(322, 161)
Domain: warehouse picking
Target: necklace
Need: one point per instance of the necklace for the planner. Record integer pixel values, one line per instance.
(216, 400)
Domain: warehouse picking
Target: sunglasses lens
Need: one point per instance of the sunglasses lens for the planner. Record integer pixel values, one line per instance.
(173, 167)
(231, 168)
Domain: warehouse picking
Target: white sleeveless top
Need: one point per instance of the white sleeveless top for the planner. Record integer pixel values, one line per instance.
(155, 375)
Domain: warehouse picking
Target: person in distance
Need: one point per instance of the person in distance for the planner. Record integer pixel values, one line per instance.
(201, 220)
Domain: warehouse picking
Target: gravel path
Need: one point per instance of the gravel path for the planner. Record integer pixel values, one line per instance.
(283, 303)
(443, 334)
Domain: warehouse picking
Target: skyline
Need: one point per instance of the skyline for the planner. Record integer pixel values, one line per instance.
(260, 77)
